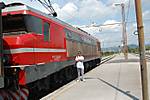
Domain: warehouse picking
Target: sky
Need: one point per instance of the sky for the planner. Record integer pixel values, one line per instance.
(92, 15)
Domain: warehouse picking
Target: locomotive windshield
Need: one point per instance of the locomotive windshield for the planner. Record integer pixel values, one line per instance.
(13, 23)
(18, 24)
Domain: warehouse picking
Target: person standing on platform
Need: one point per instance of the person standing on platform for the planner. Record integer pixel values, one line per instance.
(80, 66)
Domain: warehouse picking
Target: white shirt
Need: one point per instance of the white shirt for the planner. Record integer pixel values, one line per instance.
(79, 60)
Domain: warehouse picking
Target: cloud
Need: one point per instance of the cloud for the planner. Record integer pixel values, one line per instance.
(93, 9)
(117, 1)
(146, 18)
(146, 14)
(84, 9)
(107, 26)
(67, 12)
(111, 25)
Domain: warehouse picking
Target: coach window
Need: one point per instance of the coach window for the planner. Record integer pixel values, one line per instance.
(46, 31)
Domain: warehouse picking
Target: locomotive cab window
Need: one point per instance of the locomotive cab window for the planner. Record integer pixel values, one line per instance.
(46, 31)
(13, 23)
(33, 24)
(21, 24)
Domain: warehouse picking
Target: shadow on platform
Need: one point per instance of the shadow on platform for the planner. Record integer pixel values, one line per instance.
(120, 90)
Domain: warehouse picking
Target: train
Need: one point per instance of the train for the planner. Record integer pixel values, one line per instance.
(39, 49)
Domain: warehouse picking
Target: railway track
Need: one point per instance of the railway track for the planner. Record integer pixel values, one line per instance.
(105, 59)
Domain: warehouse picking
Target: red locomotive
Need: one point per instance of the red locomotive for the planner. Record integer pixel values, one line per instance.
(40, 49)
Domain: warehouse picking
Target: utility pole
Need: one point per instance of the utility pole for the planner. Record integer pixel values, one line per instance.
(124, 34)
(143, 65)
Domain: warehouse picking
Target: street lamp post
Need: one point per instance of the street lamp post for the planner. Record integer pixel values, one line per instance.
(124, 34)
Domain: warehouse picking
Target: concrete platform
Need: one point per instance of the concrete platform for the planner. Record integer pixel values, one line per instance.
(115, 80)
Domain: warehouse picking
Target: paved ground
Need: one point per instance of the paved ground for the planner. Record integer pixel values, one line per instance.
(115, 80)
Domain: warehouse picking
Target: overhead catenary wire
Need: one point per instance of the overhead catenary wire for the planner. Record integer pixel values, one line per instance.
(47, 5)
(118, 23)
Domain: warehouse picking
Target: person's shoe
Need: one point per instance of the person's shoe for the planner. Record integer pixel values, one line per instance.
(83, 80)
(77, 80)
